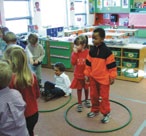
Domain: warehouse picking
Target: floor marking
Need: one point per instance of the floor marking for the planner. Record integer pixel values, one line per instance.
(129, 99)
(143, 125)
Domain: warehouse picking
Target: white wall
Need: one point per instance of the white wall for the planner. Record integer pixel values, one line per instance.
(2, 12)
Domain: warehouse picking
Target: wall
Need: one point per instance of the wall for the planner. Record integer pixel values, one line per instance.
(101, 20)
(2, 22)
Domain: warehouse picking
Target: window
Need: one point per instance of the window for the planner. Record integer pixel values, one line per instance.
(17, 15)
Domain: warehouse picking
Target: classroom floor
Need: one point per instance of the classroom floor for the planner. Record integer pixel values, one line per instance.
(123, 94)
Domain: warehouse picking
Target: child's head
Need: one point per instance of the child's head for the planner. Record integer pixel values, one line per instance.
(10, 38)
(81, 42)
(5, 74)
(7, 52)
(98, 36)
(33, 39)
(59, 68)
(18, 60)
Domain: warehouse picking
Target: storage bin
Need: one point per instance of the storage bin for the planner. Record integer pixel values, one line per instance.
(117, 53)
(119, 72)
(130, 73)
(118, 62)
(131, 54)
(129, 64)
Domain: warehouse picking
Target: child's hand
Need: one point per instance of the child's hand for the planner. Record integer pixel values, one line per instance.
(112, 81)
(31, 61)
(75, 50)
(36, 62)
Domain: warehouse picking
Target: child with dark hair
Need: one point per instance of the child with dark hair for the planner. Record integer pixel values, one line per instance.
(100, 71)
(78, 59)
(12, 119)
(61, 87)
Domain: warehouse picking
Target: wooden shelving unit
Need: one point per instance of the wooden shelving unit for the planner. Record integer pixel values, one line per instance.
(130, 61)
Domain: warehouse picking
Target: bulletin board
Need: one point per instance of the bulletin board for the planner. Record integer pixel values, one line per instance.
(137, 19)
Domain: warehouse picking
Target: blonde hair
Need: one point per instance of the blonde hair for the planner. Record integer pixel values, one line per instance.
(5, 74)
(20, 67)
(7, 52)
(10, 37)
(33, 39)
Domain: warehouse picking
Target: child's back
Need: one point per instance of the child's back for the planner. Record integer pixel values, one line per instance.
(12, 120)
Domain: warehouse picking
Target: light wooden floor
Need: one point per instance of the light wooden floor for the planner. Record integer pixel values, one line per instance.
(130, 94)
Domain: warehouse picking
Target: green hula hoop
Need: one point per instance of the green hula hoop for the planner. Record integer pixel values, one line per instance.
(43, 111)
(100, 131)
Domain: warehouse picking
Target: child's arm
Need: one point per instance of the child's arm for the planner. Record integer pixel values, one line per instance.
(74, 58)
(111, 66)
(67, 84)
(42, 53)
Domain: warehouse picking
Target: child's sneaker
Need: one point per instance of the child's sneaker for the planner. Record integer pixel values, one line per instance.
(87, 103)
(106, 118)
(92, 114)
(79, 108)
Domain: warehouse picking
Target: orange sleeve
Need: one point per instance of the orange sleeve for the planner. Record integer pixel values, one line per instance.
(111, 66)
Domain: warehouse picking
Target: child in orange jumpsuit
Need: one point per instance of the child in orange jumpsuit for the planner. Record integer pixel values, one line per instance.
(80, 52)
(100, 71)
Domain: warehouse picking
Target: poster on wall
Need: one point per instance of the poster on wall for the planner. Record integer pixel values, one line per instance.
(37, 14)
(112, 3)
(99, 4)
(91, 6)
(125, 3)
(72, 13)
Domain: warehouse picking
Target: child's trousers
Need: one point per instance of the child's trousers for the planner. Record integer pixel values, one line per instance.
(49, 87)
(99, 95)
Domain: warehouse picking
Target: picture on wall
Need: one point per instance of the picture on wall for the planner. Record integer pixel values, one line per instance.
(125, 3)
(91, 6)
(99, 4)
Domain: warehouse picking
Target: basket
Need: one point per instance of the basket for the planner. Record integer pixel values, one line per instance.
(117, 53)
(129, 74)
(117, 63)
(131, 54)
(129, 64)
(119, 72)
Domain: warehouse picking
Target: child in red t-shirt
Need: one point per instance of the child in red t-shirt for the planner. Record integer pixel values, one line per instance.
(78, 58)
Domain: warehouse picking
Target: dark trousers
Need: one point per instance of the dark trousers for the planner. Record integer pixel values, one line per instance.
(50, 88)
(30, 122)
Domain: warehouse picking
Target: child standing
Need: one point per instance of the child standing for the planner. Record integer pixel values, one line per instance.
(36, 57)
(78, 58)
(61, 87)
(101, 71)
(26, 82)
(12, 120)
(3, 44)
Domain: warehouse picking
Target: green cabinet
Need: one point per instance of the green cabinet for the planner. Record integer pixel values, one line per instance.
(60, 51)
(44, 43)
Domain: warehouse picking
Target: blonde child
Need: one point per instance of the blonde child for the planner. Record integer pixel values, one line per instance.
(101, 71)
(12, 119)
(26, 82)
(37, 54)
(78, 58)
